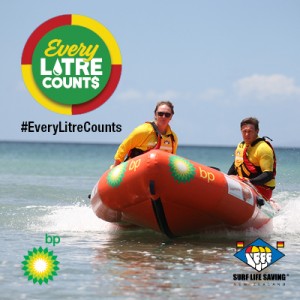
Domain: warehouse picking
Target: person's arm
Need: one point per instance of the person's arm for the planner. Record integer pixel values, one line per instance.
(262, 178)
(266, 163)
(117, 162)
(232, 170)
(139, 137)
(131, 141)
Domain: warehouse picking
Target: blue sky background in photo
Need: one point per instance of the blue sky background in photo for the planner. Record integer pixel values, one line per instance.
(217, 61)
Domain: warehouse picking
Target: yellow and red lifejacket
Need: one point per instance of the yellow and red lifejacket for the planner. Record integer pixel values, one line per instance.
(164, 142)
(247, 168)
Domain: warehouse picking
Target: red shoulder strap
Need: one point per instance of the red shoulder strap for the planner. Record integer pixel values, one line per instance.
(249, 165)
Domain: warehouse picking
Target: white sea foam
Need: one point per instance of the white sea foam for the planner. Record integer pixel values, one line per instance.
(287, 221)
(77, 218)
(80, 218)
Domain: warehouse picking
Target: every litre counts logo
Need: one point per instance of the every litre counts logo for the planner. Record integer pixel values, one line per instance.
(71, 64)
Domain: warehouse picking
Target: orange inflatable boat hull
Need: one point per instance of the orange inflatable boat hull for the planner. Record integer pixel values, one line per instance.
(176, 196)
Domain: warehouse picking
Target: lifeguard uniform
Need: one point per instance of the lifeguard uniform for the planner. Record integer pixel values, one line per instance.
(144, 138)
(251, 161)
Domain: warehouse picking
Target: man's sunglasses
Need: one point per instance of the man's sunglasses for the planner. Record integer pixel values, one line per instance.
(161, 113)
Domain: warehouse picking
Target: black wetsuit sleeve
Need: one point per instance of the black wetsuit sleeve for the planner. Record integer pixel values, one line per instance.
(232, 170)
(262, 178)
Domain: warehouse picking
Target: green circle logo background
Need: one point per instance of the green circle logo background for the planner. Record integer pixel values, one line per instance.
(71, 35)
(181, 169)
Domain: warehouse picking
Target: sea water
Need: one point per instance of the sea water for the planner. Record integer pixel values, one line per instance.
(44, 203)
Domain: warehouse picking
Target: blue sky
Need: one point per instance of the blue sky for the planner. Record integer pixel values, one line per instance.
(217, 61)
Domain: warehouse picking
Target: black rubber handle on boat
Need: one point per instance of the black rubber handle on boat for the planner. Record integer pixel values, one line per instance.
(214, 168)
(152, 187)
(159, 212)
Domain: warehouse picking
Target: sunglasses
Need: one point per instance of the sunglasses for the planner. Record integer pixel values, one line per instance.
(166, 114)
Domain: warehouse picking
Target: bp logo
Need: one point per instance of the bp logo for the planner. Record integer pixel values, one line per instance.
(259, 255)
(40, 265)
(116, 174)
(181, 169)
(71, 64)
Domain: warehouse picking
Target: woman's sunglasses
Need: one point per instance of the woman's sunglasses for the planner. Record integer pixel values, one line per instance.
(161, 113)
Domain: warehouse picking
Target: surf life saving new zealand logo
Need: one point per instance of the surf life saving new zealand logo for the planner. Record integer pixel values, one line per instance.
(259, 255)
(71, 64)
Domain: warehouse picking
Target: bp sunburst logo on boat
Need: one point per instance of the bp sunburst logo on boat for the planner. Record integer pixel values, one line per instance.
(116, 174)
(181, 169)
(71, 64)
(40, 265)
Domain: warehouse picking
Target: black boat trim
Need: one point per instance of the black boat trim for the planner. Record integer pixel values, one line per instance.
(159, 213)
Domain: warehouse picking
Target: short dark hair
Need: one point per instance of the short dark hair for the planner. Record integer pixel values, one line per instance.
(168, 103)
(252, 121)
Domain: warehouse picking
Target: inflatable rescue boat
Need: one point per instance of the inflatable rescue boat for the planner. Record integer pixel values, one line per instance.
(176, 196)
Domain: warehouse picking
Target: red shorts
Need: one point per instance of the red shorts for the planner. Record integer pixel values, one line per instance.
(265, 191)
